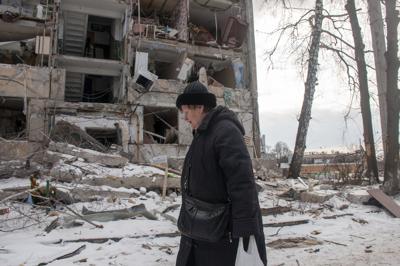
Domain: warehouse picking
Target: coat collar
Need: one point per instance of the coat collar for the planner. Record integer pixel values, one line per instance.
(216, 114)
(207, 120)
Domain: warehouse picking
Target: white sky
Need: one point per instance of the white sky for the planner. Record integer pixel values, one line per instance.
(281, 92)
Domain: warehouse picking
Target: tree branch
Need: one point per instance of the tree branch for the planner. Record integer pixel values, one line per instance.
(337, 15)
(338, 38)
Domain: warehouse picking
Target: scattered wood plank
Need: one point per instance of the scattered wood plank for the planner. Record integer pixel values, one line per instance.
(54, 224)
(386, 201)
(357, 236)
(102, 240)
(4, 211)
(330, 241)
(275, 210)
(120, 214)
(66, 256)
(302, 182)
(17, 195)
(337, 216)
(288, 223)
(4, 251)
(163, 168)
(360, 221)
(171, 208)
(99, 240)
(274, 185)
(336, 243)
(294, 242)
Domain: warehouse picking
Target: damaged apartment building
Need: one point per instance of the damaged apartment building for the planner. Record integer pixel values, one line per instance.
(114, 68)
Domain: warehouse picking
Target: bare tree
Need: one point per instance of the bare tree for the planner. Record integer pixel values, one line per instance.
(332, 37)
(379, 47)
(372, 166)
(391, 182)
(311, 82)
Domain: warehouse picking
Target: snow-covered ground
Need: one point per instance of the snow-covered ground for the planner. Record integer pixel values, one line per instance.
(343, 241)
(360, 235)
(137, 246)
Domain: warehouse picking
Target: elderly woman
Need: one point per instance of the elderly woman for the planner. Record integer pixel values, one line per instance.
(219, 197)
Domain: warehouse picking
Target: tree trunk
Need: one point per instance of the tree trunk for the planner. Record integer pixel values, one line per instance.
(305, 116)
(372, 166)
(379, 47)
(391, 183)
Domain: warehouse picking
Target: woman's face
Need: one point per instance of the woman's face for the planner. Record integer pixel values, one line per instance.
(193, 114)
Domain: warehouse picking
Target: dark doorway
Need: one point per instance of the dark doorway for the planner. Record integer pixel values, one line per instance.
(12, 118)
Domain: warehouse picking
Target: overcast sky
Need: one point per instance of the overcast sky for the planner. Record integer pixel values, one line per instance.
(281, 91)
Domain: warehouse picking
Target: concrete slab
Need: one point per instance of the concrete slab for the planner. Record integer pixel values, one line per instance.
(19, 150)
(32, 82)
(89, 155)
(150, 183)
(358, 196)
(66, 173)
(318, 196)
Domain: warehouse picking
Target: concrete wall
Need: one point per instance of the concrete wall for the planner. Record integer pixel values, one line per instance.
(165, 92)
(128, 125)
(36, 120)
(32, 82)
(42, 113)
(19, 150)
(145, 152)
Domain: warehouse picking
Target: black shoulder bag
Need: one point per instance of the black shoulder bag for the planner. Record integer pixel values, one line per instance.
(202, 220)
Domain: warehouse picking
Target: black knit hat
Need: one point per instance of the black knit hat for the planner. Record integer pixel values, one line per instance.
(196, 93)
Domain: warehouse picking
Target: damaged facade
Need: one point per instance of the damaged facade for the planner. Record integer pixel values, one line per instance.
(113, 69)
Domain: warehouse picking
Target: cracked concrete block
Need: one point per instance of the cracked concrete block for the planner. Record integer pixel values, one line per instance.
(36, 79)
(168, 86)
(150, 183)
(19, 150)
(176, 162)
(319, 196)
(156, 99)
(66, 173)
(36, 120)
(145, 152)
(358, 196)
(89, 155)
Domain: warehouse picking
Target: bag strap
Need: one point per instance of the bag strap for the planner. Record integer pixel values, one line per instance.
(187, 174)
(188, 171)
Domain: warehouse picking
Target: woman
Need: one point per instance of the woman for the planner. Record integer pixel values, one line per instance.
(217, 172)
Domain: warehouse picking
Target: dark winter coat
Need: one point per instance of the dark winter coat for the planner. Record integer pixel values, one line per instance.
(219, 168)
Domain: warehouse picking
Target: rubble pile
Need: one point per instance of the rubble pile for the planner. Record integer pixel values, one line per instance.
(81, 172)
(78, 205)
